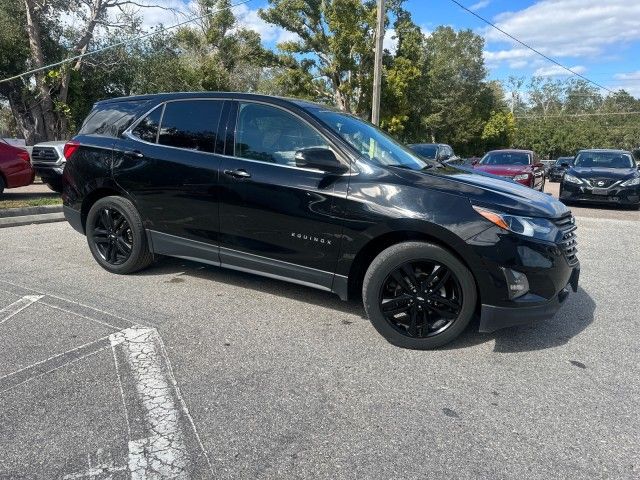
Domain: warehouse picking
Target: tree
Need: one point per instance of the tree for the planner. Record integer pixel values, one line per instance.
(499, 131)
(332, 55)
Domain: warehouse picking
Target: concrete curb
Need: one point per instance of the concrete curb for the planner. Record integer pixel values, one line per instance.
(31, 219)
(24, 211)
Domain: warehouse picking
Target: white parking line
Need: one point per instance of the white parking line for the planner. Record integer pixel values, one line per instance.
(10, 310)
(164, 453)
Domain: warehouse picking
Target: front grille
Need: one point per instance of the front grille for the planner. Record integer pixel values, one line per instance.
(601, 182)
(569, 241)
(44, 155)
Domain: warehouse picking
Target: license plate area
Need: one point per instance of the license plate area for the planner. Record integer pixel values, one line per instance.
(600, 191)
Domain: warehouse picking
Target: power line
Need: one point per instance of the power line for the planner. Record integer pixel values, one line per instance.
(124, 42)
(595, 114)
(531, 48)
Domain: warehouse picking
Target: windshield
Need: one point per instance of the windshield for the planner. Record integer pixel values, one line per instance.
(427, 151)
(562, 160)
(370, 141)
(505, 158)
(603, 160)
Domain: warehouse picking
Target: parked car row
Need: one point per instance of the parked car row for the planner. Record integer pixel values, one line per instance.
(521, 166)
(18, 168)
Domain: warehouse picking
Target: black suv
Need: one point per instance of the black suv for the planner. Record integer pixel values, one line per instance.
(301, 192)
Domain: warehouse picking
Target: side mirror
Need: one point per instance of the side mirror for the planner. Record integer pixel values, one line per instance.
(475, 161)
(319, 158)
(564, 165)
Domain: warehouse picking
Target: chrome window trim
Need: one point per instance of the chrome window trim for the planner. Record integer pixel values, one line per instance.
(128, 133)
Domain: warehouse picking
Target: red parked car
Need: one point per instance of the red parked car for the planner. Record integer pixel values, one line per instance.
(522, 166)
(15, 166)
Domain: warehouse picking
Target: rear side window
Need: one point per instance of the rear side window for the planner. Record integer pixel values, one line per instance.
(191, 124)
(111, 119)
(147, 128)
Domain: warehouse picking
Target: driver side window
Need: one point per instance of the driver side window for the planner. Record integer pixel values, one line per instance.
(270, 134)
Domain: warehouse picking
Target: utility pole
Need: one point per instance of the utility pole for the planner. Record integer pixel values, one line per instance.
(377, 68)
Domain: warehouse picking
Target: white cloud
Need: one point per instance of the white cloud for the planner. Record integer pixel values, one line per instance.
(628, 76)
(479, 5)
(556, 71)
(566, 28)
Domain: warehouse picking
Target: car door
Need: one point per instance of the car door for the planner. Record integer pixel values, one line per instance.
(168, 162)
(277, 218)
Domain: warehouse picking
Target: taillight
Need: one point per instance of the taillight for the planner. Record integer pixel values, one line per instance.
(70, 148)
(24, 155)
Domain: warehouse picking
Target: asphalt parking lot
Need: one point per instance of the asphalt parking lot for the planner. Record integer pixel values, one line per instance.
(187, 371)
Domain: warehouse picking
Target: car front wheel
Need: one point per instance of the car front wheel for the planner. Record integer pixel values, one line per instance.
(419, 295)
(116, 236)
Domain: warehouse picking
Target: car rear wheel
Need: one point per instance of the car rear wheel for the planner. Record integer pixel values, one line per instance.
(116, 236)
(1, 185)
(419, 295)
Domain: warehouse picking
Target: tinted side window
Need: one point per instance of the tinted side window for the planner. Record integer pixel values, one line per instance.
(111, 119)
(191, 124)
(147, 128)
(272, 135)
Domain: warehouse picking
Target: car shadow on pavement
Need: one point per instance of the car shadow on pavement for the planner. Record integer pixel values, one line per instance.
(281, 288)
(574, 316)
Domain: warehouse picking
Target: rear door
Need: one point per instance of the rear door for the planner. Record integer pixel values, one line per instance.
(168, 162)
(276, 218)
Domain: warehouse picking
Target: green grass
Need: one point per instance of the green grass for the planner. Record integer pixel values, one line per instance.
(30, 202)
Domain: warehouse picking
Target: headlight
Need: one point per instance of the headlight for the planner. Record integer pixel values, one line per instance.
(571, 179)
(522, 176)
(539, 228)
(631, 182)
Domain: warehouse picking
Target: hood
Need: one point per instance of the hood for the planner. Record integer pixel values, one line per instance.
(503, 170)
(598, 172)
(488, 191)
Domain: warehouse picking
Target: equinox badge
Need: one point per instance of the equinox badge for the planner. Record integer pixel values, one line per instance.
(313, 238)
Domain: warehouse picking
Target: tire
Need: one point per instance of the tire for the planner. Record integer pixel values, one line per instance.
(125, 229)
(380, 279)
(1, 185)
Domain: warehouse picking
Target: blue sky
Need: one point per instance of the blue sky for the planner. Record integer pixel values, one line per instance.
(598, 38)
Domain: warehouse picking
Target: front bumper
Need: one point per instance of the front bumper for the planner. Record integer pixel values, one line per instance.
(613, 195)
(529, 310)
(49, 171)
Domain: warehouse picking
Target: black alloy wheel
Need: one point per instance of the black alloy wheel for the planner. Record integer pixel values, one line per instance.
(116, 236)
(419, 295)
(421, 299)
(112, 236)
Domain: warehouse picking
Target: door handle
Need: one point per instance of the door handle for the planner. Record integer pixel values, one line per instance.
(240, 173)
(134, 153)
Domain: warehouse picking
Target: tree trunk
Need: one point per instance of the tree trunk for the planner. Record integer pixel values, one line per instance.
(47, 130)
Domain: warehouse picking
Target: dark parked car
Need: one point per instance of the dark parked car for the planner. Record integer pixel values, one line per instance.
(602, 176)
(559, 167)
(15, 166)
(48, 161)
(301, 192)
(521, 166)
(440, 152)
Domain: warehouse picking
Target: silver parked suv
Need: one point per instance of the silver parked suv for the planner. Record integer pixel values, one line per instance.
(48, 161)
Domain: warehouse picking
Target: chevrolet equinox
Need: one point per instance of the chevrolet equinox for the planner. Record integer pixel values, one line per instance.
(301, 192)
